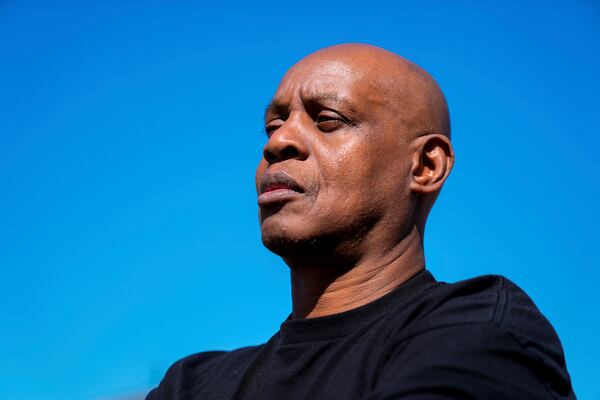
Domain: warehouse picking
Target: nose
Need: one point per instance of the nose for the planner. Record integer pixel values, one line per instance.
(286, 143)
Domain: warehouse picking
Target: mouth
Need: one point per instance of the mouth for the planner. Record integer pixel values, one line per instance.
(278, 187)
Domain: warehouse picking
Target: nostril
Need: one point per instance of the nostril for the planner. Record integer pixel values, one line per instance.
(289, 152)
(269, 156)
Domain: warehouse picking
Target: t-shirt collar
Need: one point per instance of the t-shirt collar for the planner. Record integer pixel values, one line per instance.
(296, 331)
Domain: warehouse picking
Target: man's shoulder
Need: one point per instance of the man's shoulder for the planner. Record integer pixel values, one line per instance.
(486, 326)
(486, 299)
(207, 359)
(484, 303)
(200, 369)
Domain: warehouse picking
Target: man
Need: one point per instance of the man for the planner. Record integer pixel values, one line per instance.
(358, 150)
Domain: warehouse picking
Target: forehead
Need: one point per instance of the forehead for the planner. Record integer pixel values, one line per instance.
(333, 79)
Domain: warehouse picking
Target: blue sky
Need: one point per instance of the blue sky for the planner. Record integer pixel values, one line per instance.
(129, 135)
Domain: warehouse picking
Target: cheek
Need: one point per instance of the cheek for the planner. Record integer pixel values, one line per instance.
(346, 176)
(348, 164)
(364, 175)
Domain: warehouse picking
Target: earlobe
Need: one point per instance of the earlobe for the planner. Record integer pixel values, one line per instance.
(433, 159)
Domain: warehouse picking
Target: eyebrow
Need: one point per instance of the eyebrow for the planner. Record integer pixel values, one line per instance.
(275, 107)
(324, 99)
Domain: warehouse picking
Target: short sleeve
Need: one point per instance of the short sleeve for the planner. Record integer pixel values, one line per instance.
(465, 361)
(183, 377)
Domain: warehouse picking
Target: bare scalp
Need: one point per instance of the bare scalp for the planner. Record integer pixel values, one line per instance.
(409, 91)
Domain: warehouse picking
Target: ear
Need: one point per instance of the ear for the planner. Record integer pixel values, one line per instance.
(433, 159)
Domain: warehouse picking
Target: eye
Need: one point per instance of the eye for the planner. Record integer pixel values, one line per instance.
(328, 121)
(272, 126)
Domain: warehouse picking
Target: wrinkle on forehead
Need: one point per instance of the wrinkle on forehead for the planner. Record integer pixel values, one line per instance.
(377, 76)
(333, 68)
(313, 78)
(336, 80)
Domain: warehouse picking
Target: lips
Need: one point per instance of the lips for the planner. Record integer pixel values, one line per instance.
(278, 187)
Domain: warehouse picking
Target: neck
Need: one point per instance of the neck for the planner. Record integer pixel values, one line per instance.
(317, 292)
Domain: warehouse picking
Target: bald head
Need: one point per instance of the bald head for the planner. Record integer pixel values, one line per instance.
(407, 90)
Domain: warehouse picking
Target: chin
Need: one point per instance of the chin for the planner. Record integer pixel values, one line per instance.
(277, 237)
(287, 238)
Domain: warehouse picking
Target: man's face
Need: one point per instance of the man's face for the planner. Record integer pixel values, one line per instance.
(336, 163)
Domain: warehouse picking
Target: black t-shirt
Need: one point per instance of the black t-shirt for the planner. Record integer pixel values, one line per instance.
(481, 338)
